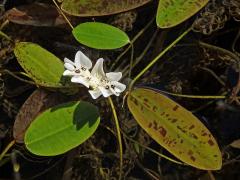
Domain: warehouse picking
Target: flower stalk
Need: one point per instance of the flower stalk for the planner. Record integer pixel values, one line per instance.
(118, 137)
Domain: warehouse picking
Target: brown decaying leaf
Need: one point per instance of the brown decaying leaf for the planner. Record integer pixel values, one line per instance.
(236, 144)
(36, 103)
(36, 14)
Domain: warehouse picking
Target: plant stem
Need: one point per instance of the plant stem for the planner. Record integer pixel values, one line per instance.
(222, 96)
(6, 149)
(131, 61)
(139, 58)
(2, 34)
(132, 41)
(5, 71)
(5, 23)
(216, 48)
(118, 137)
(64, 16)
(159, 56)
(211, 176)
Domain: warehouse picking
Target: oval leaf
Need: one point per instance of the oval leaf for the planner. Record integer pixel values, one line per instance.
(100, 36)
(62, 128)
(99, 7)
(41, 65)
(41, 100)
(173, 12)
(35, 14)
(175, 128)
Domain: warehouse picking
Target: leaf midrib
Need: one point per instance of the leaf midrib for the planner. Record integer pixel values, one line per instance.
(49, 135)
(102, 37)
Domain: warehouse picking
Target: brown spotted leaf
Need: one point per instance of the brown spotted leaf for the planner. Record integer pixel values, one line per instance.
(175, 128)
(36, 103)
(173, 12)
(36, 14)
(99, 7)
(41, 66)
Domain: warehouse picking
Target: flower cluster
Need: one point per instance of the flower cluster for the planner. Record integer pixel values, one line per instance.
(98, 82)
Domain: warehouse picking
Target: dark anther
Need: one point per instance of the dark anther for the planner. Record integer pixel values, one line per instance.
(83, 68)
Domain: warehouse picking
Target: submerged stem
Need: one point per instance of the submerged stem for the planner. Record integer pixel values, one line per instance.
(159, 56)
(64, 16)
(2, 34)
(5, 71)
(131, 61)
(132, 41)
(140, 57)
(118, 136)
(222, 96)
(6, 149)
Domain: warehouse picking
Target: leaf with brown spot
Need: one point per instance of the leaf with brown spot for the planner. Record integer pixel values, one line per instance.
(42, 66)
(88, 8)
(36, 103)
(175, 128)
(173, 12)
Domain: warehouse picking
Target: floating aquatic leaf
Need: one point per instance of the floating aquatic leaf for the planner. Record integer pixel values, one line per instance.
(35, 14)
(173, 12)
(36, 103)
(175, 128)
(41, 65)
(61, 128)
(99, 7)
(100, 36)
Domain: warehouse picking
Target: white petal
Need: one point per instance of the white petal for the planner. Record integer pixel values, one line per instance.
(105, 92)
(77, 60)
(69, 66)
(114, 76)
(86, 73)
(81, 80)
(66, 60)
(98, 68)
(95, 93)
(114, 92)
(82, 60)
(119, 87)
(85, 61)
(69, 73)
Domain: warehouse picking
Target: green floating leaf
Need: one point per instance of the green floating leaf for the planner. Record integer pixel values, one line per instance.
(99, 7)
(100, 36)
(41, 65)
(175, 128)
(173, 12)
(41, 100)
(61, 128)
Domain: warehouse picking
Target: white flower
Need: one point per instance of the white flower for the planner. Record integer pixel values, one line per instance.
(99, 82)
(79, 69)
(104, 84)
